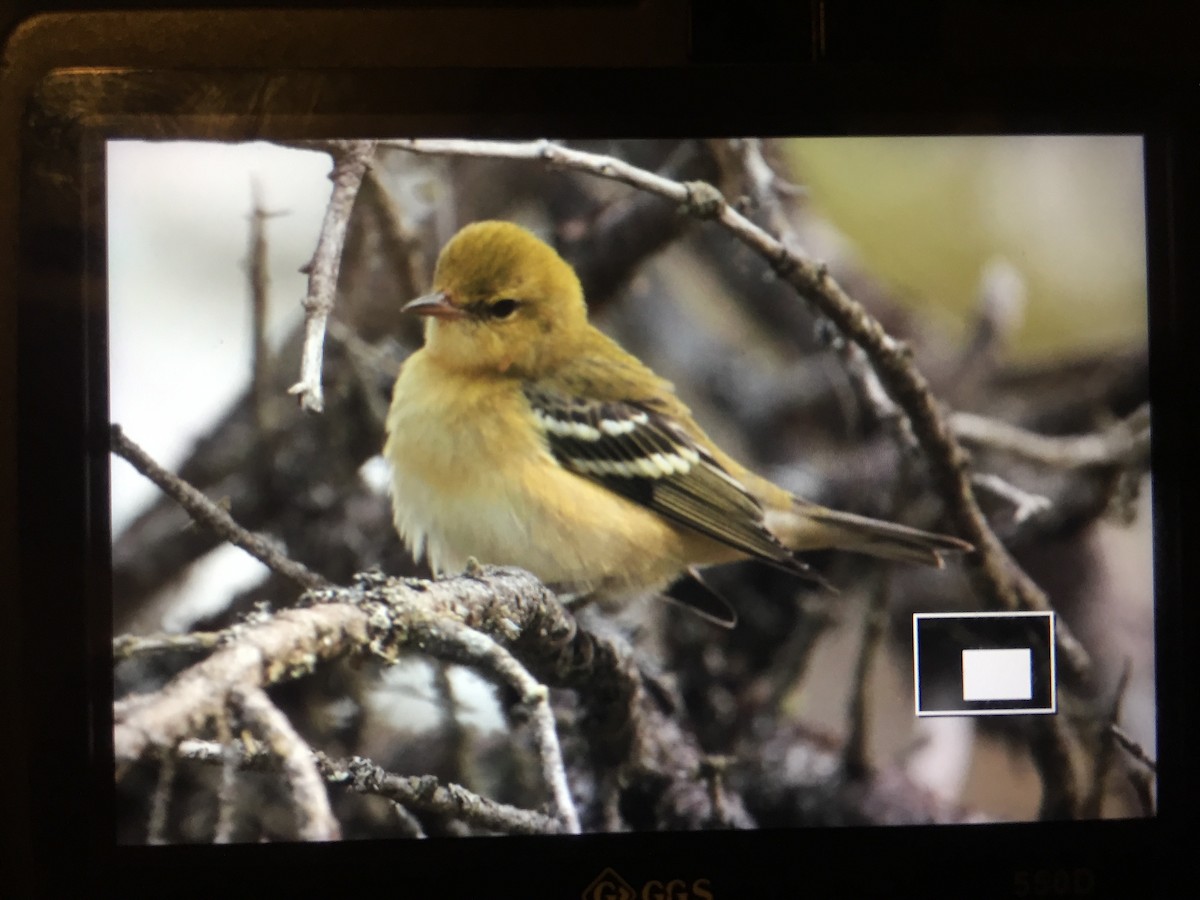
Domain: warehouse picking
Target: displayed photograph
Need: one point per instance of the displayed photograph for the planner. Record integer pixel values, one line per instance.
(479, 488)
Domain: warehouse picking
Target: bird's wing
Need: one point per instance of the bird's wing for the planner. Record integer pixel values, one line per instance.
(643, 454)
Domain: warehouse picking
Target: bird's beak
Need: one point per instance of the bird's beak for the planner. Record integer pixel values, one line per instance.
(437, 305)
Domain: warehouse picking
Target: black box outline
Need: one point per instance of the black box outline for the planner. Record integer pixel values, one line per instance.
(1043, 711)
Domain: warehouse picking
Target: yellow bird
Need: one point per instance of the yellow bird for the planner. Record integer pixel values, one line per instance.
(519, 434)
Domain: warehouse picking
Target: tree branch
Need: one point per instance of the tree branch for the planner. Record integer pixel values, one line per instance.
(315, 820)
(288, 645)
(208, 513)
(1124, 443)
(447, 639)
(350, 161)
(426, 793)
(1025, 505)
(423, 792)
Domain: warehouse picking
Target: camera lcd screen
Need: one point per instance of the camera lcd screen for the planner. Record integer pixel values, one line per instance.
(1011, 682)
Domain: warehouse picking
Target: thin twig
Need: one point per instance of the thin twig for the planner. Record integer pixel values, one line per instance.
(1025, 505)
(1000, 310)
(713, 770)
(255, 758)
(1052, 748)
(1003, 298)
(401, 238)
(425, 792)
(410, 826)
(256, 268)
(449, 639)
(156, 830)
(771, 193)
(227, 794)
(1124, 443)
(369, 364)
(1141, 778)
(1094, 800)
(127, 646)
(314, 817)
(288, 645)
(350, 161)
(1133, 748)
(854, 751)
(208, 513)
(293, 642)
(452, 727)
(875, 615)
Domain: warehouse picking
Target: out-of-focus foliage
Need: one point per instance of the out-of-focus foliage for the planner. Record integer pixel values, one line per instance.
(928, 213)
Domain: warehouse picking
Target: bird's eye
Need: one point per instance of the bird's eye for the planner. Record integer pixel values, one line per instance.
(504, 308)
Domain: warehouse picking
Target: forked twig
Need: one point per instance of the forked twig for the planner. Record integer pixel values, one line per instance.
(350, 161)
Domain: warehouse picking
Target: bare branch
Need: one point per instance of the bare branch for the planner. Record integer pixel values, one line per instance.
(127, 646)
(508, 626)
(1133, 748)
(772, 194)
(1125, 443)
(1000, 310)
(385, 617)
(288, 645)
(1025, 505)
(1141, 777)
(446, 638)
(214, 753)
(410, 826)
(227, 793)
(256, 268)
(423, 792)
(160, 802)
(427, 793)
(350, 161)
(368, 364)
(208, 513)
(315, 820)
(854, 751)
(625, 729)
(294, 642)
(554, 154)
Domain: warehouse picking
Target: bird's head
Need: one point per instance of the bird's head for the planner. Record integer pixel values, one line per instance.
(503, 302)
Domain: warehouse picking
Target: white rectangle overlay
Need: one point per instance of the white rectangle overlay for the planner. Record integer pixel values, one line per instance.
(1051, 709)
(997, 674)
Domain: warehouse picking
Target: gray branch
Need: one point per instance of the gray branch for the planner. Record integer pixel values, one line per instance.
(1125, 443)
(208, 513)
(350, 161)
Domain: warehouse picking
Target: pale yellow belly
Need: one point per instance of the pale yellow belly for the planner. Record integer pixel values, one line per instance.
(455, 497)
(567, 531)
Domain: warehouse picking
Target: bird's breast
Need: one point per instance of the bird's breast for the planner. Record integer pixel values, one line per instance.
(452, 445)
(472, 477)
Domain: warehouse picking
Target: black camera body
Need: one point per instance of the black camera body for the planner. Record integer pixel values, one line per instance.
(1015, 724)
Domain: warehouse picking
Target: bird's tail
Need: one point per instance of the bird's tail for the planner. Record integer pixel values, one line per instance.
(810, 527)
